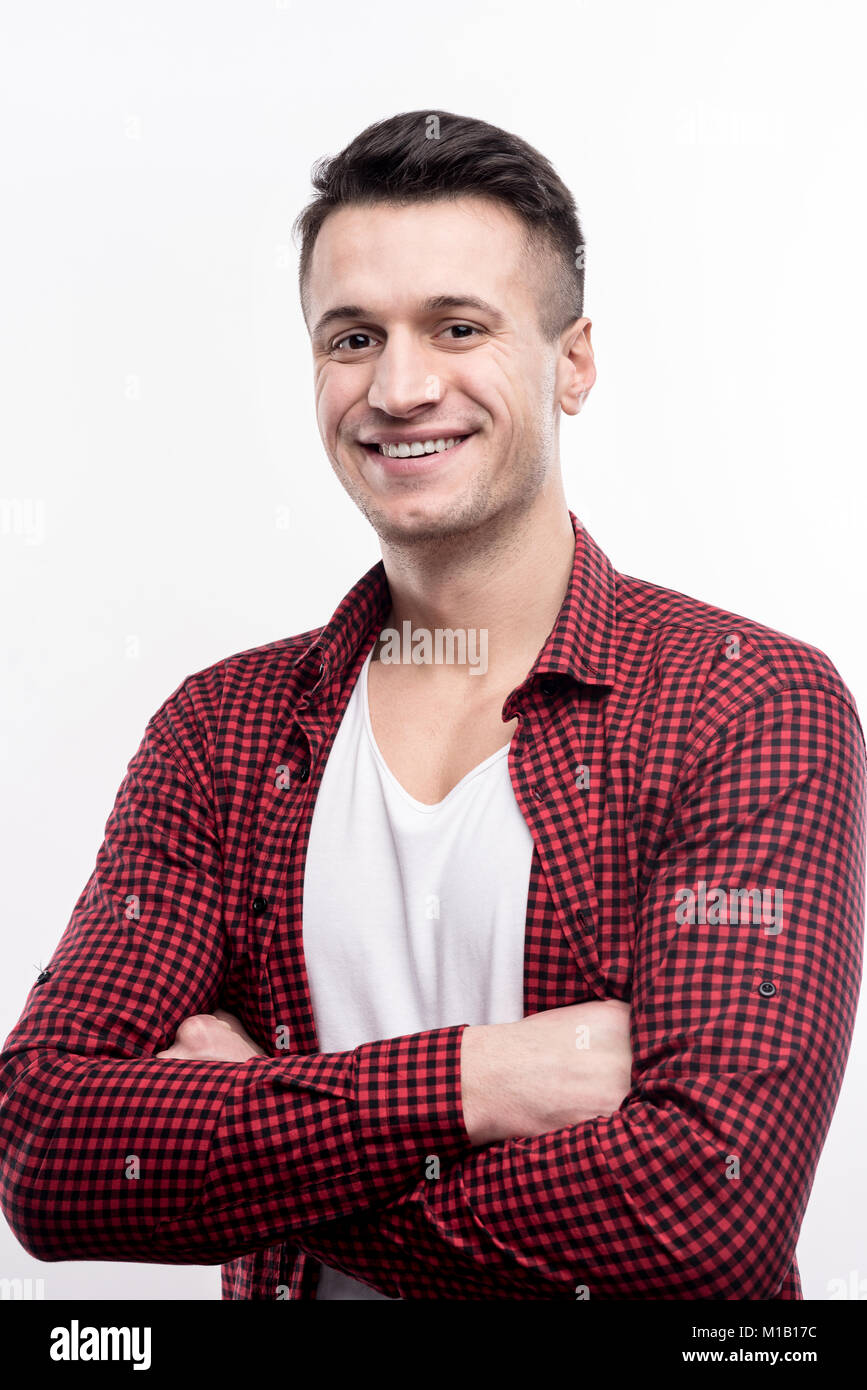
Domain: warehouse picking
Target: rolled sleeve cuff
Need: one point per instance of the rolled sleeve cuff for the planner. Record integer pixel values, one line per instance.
(409, 1105)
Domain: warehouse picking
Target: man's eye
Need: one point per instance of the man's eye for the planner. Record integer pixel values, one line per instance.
(462, 328)
(350, 338)
(358, 342)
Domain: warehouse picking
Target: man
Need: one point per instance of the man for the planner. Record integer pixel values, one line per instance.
(528, 974)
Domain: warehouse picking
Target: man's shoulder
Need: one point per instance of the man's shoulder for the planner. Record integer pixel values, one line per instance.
(249, 687)
(712, 658)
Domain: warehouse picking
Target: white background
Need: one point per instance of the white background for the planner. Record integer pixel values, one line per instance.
(158, 431)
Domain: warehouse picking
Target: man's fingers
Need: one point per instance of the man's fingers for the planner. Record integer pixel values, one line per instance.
(237, 1027)
(217, 1037)
(228, 1020)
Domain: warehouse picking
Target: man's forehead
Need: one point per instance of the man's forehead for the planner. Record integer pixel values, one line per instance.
(417, 253)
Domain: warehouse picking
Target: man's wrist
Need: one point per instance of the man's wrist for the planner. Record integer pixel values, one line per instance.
(483, 1078)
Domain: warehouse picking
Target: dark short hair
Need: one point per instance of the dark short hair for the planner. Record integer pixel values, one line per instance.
(422, 156)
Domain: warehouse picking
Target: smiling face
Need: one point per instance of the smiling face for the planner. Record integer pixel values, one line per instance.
(424, 327)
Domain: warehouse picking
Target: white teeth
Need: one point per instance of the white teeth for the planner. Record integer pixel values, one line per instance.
(414, 450)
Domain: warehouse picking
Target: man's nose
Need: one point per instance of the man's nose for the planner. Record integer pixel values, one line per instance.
(403, 378)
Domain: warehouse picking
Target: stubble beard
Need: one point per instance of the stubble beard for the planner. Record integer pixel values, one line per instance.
(477, 510)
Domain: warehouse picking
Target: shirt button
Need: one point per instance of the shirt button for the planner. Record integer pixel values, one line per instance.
(42, 976)
(303, 772)
(258, 905)
(767, 989)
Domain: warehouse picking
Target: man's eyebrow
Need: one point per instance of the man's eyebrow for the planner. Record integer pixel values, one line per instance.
(461, 301)
(430, 305)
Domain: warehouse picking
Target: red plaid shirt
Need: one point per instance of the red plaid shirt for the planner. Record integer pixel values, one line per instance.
(662, 745)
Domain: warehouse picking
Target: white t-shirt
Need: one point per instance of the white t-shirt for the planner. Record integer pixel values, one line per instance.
(413, 915)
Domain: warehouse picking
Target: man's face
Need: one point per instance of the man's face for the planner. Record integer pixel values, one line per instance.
(397, 367)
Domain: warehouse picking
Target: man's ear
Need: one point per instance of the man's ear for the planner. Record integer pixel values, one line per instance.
(576, 368)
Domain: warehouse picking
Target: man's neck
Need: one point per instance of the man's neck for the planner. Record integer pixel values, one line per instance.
(509, 585)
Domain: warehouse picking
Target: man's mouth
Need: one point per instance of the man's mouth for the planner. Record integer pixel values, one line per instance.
(405, 449)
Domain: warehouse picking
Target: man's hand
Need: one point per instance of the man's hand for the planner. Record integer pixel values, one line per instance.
(216, 1037)
(553, 1069)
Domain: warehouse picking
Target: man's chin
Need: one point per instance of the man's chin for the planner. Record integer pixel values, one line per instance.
(416, 520)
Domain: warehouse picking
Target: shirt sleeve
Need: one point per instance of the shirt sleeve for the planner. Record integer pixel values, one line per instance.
(108, 1152)
(696, 1186)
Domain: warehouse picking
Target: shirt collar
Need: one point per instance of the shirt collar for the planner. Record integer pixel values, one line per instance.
(581, 645)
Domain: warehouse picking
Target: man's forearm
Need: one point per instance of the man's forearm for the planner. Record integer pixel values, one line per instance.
(199, 1162)
(263, 1169)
